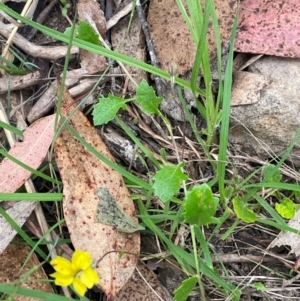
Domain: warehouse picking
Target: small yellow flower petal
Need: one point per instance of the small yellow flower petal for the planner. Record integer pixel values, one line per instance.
(62, 280)
(79, 287)
(89, 277)
(81, 260)
(78, 272)
(62, 265)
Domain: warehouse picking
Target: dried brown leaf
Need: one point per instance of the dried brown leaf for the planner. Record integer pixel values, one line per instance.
(83, 174)
(288, 238)
(32, 151)
(172, 40)
(11, 263)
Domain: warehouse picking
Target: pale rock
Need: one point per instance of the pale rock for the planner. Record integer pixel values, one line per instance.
(268, 126)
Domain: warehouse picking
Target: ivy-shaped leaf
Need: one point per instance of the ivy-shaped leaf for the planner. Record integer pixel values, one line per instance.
(272, 169)
(286, 209)
(259, 286)
(200, 206)
(87, 33)
(243, 211)
(147, 98)
(167, 181)
(107, 108)
(182, 293)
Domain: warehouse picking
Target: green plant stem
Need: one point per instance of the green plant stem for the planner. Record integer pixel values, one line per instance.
(222, 160)
(195, 130)
(202, 291)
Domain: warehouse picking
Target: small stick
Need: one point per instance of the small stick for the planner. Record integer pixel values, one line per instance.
(153, 57)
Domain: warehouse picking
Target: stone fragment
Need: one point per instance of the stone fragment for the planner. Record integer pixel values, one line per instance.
(267, 127)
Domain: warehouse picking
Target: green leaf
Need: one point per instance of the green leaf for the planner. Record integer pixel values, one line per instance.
(107, 108)
(200, 206)
(68, 31)
(297, 195)
(64, 11)
(182, 293)
(147, 98)
(286, 209)
(86, 33)
(243, 211)
(259, 286)
(167, 181)
(269, 169)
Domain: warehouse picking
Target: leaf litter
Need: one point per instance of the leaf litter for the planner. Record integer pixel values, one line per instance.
(31, 151)
(83, 174)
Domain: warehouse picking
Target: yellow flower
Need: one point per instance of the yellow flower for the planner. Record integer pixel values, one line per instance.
(78, 272)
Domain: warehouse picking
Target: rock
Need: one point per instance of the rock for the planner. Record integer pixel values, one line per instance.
(268, 126)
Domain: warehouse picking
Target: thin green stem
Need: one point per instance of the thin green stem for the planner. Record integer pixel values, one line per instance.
(202, 291)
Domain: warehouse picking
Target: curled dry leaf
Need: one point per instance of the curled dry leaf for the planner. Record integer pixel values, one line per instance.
(32, 151)
(288, 238)
(82, 175)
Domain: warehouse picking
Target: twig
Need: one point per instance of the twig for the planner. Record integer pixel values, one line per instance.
(28, 12)
(231, 258)
(46, 52)
(46, 101)
(153, 57)
(18, 82)
(115, 18)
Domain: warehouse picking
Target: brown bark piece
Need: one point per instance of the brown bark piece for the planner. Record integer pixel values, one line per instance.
(171, 37)
(92, 9)
(82, 174)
